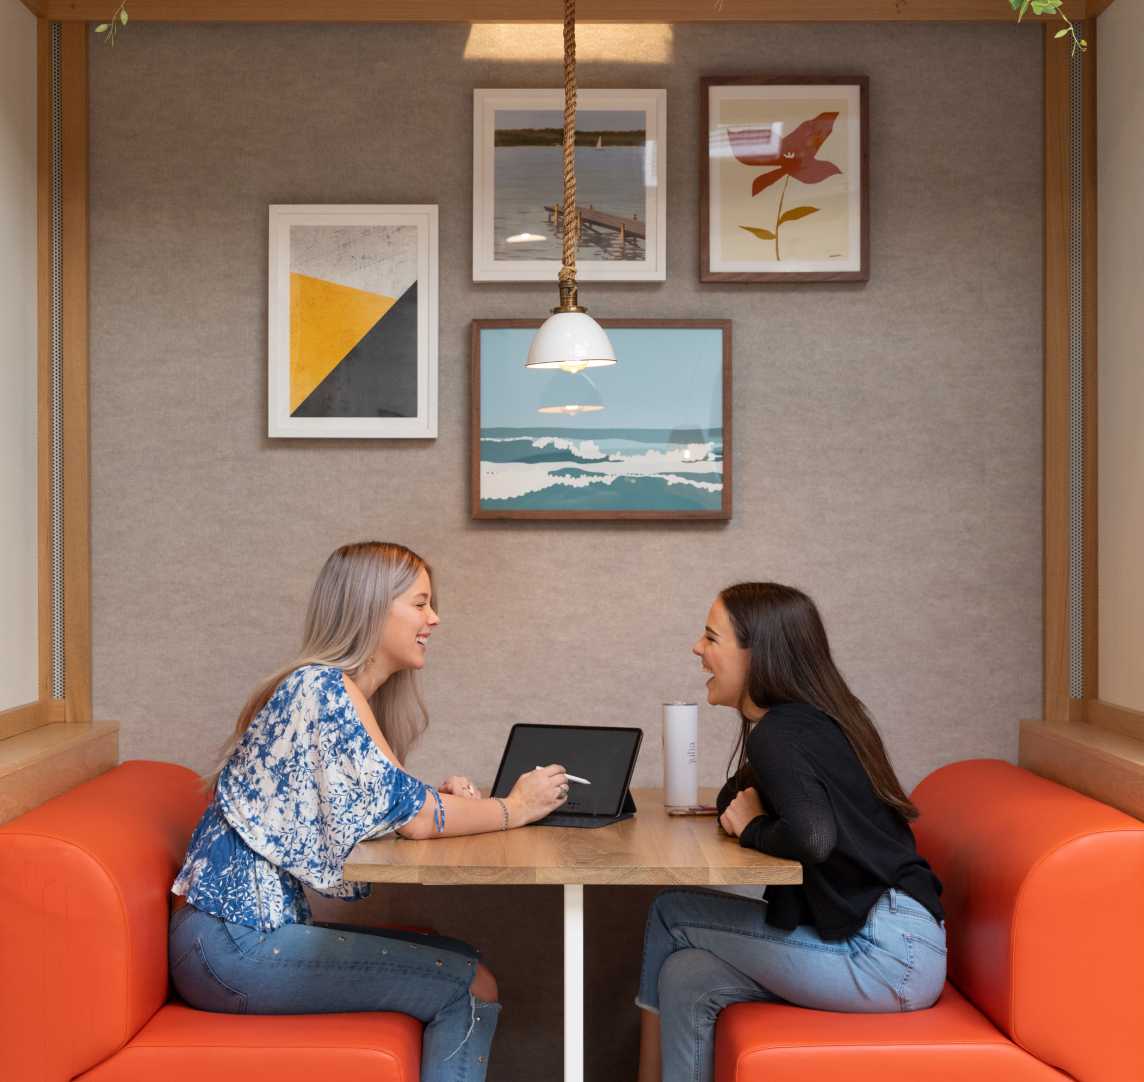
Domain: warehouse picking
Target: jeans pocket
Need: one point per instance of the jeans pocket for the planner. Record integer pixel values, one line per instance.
(924, 978)
(201, 987)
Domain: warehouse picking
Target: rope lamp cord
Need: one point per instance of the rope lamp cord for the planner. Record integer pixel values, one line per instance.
(569, 212)
(569, 339)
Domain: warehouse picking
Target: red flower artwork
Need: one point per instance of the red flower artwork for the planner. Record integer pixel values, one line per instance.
(796, 158)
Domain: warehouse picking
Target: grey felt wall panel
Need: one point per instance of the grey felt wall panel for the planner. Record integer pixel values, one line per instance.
(887, 435)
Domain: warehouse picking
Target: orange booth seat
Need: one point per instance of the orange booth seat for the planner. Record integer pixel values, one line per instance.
(84, 992)
(1044, 900)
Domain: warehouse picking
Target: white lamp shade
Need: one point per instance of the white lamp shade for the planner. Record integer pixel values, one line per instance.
(572, 341)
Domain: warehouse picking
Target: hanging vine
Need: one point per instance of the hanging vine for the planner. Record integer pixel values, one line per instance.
(1051, 7)
(118, 21)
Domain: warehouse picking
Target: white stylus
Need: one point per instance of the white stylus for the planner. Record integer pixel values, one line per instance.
(572, 777)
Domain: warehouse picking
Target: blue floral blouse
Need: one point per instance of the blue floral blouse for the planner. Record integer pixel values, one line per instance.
(304, 786)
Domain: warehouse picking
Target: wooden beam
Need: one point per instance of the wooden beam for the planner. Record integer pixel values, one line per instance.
(22, 719)
(1056, 375)
(74, 370)
(1117, 718)
(1090, 661)
(44, 353)
(530, 11)
(1106, 765)
(39, 765)
(76, 442)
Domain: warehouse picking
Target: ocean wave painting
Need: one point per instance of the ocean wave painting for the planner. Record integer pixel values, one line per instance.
(651, 444)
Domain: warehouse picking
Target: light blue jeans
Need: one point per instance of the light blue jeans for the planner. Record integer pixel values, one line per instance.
(316, 968)
(704, 950)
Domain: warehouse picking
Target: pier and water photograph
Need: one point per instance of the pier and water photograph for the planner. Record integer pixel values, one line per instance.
(518, 185)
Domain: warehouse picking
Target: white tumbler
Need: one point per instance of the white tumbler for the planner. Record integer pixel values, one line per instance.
(680, 755)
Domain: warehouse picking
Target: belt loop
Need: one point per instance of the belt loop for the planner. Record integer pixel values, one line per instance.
(893, 900)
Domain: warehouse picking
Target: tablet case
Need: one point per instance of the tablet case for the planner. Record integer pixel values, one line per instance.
(589, 822)
(627, 810)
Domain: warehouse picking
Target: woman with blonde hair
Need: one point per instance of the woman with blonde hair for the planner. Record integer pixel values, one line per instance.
(314, 767)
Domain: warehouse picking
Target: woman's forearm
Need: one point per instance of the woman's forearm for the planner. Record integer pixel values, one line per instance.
(462, 816)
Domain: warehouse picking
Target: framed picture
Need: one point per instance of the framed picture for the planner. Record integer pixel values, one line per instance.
(785, 194)
(646, 438)
(621, 178)
(353, 321)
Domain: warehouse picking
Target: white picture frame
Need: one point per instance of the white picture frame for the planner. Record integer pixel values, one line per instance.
(337, 273)
(490, 260)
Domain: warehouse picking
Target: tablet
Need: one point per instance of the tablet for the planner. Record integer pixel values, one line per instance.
(603, 755)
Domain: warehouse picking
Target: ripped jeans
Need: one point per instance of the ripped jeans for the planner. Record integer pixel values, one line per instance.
(323, 968)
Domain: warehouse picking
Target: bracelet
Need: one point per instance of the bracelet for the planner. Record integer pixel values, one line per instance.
(504, 812)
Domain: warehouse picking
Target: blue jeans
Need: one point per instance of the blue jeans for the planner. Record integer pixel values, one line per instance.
(321, 968)
(704, 950)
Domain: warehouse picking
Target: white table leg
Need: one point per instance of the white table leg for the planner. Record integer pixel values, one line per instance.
(573, 982)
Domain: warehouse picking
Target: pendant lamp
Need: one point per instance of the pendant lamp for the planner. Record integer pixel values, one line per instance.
(570, 339)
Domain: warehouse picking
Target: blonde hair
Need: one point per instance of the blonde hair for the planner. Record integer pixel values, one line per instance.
(344, 619)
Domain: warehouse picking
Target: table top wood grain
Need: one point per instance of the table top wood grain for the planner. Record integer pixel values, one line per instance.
(653, 848)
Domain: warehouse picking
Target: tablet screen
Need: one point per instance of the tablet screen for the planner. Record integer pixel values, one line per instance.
(604, 756)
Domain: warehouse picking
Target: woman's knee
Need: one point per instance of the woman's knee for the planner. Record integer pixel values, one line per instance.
(681, 976)
(484, 985)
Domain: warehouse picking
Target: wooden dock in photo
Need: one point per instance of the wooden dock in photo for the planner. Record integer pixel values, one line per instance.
(599, 221)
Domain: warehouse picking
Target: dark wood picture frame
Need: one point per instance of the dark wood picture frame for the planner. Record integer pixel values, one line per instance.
(706, 274)
(724, 511)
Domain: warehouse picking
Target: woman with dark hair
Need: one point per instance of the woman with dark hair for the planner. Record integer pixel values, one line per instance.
(864, 932)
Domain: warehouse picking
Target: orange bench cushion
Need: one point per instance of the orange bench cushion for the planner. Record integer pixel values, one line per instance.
(183, 1045)
(950, 1042)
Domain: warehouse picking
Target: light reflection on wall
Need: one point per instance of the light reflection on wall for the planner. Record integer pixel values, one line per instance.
(635, 43)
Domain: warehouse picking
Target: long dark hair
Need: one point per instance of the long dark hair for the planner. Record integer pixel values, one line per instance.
(791, 663)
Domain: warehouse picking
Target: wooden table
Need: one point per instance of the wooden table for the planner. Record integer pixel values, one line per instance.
(653, 848)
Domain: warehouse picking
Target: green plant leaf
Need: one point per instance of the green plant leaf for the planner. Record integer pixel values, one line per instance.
(103, 28)
(797, 212)
(1024, 8)
(123, 16)
(1061, 33)
(762, 234)
(1014, 4)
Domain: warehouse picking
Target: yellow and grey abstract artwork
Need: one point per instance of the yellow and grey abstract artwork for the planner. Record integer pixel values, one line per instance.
(353, 320)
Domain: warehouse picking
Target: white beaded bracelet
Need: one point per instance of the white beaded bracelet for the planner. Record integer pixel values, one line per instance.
(504, 812)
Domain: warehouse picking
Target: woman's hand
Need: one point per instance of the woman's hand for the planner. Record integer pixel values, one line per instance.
(745, 807)
(458, 785)
(537, 794)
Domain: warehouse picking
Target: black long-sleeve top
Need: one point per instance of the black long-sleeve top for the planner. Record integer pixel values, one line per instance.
(821, 810)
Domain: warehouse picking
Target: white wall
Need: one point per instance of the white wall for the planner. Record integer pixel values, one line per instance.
(18, 655)
(1120, 93)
